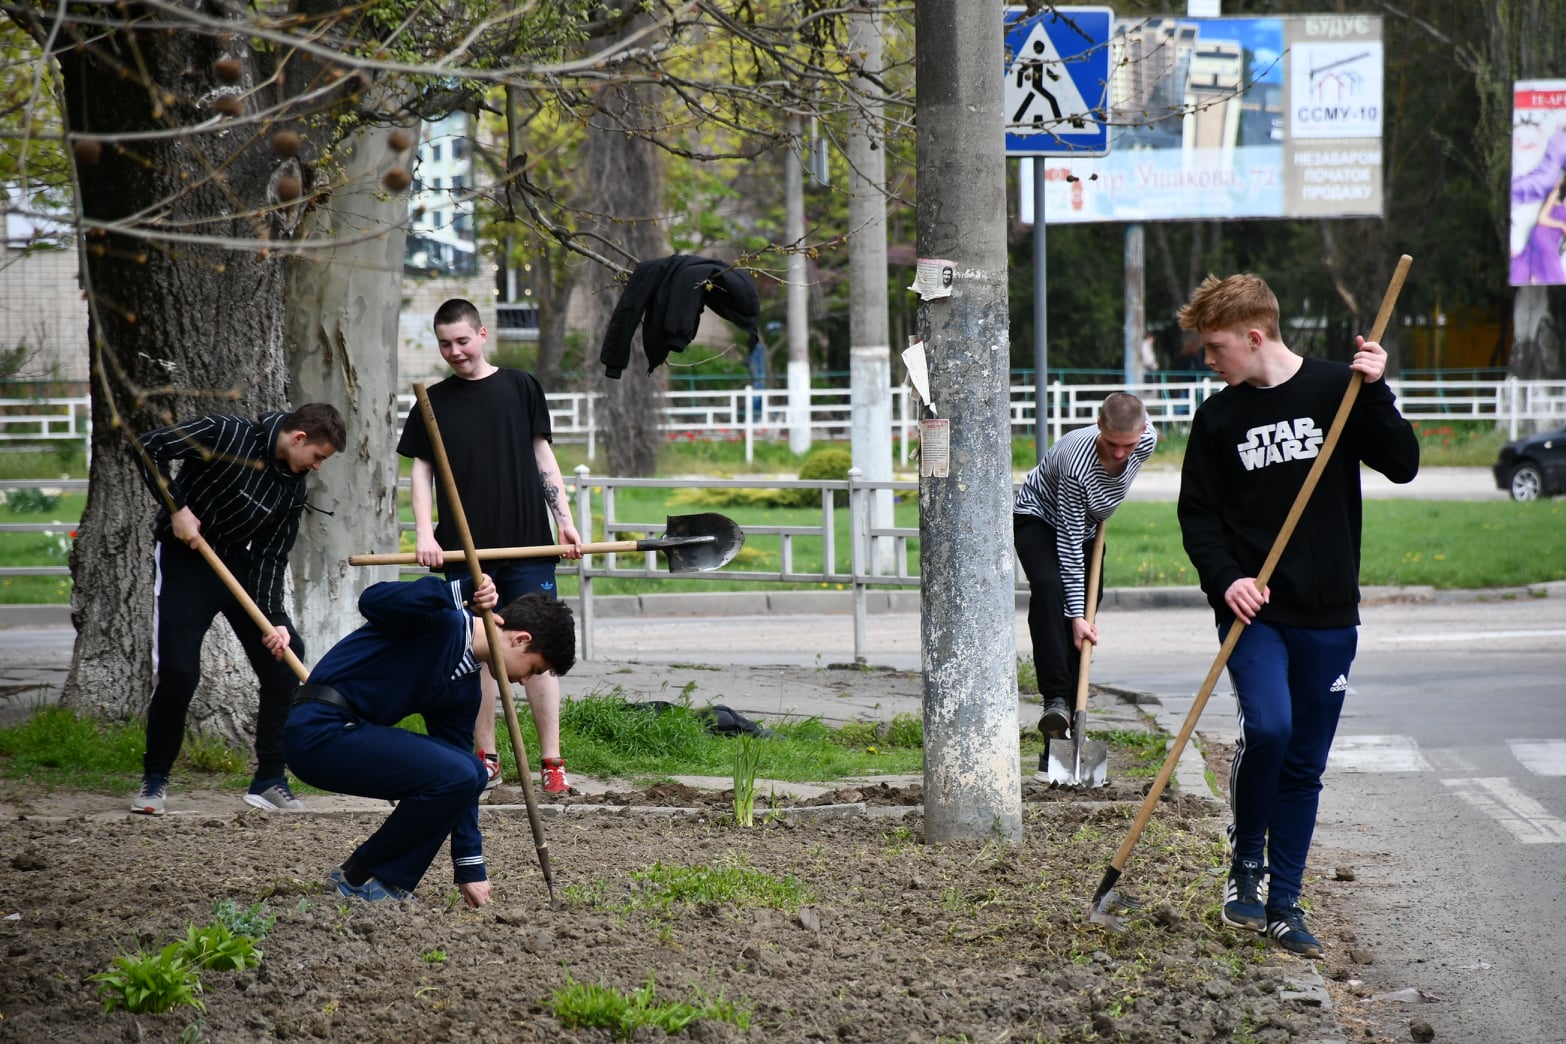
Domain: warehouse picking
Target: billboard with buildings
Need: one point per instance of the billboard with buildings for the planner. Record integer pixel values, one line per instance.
(1538, 181)
(1233, 118)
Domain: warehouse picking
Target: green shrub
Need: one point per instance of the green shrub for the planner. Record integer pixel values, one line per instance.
(824, 465)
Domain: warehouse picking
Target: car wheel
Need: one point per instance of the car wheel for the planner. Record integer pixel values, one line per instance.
(1527, 483)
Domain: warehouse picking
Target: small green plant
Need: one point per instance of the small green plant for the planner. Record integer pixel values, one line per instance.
(215, 947)
(747, 757)
(1027, 675)
(733, 883)
(254, 921)
(435, 956)
(149, 983)
(581, 1004)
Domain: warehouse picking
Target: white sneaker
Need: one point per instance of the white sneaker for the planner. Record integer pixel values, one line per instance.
(149, 799)
(274, 796)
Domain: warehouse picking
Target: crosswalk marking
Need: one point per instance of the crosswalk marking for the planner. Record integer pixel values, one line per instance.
(1376, 754)
(1473, 636)
(1520, 814)
(1542, 757)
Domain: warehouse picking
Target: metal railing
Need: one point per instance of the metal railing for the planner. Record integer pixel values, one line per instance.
(752, 415)
(892, 565)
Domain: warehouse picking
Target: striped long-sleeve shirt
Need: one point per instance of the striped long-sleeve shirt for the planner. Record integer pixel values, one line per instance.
(230, 478)
(1071, 491)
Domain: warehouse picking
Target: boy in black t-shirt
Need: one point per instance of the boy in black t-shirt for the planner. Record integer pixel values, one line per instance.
(1251, 447)
(494, 426)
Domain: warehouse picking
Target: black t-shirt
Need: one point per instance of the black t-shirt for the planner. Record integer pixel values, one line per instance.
(487, 428)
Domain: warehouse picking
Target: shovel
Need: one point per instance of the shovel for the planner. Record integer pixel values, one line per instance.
(1069, 761)
(690, 544)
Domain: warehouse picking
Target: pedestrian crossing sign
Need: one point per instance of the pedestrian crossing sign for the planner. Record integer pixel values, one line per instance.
(1056, 97)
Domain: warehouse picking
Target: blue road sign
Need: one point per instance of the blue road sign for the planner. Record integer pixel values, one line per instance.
(1057, 81)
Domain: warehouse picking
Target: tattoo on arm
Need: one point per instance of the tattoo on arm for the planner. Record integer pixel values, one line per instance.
(552, 496)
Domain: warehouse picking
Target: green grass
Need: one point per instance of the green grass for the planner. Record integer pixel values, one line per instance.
(624, 1013)
(607, 734)
(603, 735)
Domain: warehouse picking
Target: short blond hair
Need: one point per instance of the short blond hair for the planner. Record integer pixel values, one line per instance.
(1122, 413)
(1236, 303)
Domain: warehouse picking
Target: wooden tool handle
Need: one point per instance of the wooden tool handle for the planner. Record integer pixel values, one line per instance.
(492, 554)
(1095, 571)
(242, 596)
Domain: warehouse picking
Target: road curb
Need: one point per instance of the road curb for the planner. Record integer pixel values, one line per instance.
(767, 603)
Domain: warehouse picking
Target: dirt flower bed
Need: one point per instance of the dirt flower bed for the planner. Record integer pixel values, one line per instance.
(887, 938)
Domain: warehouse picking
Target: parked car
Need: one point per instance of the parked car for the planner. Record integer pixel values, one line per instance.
(1533, 467)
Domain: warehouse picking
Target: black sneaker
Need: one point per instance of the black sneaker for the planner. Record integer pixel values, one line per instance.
(1286, 923)
(1055, 720)
(1242, 903)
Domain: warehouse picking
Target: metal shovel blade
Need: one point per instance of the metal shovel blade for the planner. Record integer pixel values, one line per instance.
(1071, 763)
(698, 543)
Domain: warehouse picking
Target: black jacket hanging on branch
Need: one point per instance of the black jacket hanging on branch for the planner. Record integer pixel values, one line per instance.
(666, 296)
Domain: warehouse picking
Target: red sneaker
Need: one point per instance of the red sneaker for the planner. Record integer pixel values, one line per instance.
(555, 777)
(492, 766)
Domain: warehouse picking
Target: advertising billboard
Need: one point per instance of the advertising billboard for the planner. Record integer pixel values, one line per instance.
(1233, 118)
(1538, 182)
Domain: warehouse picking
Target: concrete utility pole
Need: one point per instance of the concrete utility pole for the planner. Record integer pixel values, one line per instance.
(972, 770)
(798, 295)
(870, 350)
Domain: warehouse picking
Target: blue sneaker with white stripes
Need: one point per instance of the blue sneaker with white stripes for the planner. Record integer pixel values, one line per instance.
(1242, 902)
(1286, 924)
(373, 890)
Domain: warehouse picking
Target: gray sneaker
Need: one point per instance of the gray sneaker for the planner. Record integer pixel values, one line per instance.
(149, 799)
(274, 796)
(1056, 719)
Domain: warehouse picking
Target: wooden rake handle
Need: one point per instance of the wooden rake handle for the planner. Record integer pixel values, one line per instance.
(491, 631)
(242, 596)
(1317, 468)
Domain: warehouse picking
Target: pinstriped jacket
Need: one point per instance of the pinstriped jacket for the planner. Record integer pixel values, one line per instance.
(248, 501)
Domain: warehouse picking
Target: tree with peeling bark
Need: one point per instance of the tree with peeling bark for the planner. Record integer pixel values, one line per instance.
(237, 179)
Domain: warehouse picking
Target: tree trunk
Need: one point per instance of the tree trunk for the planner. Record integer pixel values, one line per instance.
(1539, 334)
(177, 330)
(343, 304)
(622, 178)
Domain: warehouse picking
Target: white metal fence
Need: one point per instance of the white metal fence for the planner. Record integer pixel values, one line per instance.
(752, 415)
(894, 563)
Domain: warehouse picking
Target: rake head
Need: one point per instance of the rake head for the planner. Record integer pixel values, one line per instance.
(1110, 909)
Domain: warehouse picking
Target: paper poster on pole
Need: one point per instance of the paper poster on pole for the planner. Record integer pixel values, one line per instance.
(1538, 182)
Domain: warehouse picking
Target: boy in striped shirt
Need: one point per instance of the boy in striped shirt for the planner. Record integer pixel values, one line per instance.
(1078, 484)
(240, 486)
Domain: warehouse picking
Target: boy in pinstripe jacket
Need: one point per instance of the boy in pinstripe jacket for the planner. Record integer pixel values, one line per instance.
(240, 486)
(1078, 484)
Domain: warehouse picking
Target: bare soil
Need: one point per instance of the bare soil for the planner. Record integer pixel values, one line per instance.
(898, 940)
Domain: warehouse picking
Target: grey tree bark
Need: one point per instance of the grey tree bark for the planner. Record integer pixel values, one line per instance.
(972, 779)
(342, 309)
(176, 332)
(621, 176)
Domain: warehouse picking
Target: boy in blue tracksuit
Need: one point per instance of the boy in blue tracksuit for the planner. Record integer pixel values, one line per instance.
(419, 652)
(1251, 446)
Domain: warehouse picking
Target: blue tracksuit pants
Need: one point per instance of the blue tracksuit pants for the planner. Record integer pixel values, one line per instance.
(1290, 683)
(433, 781)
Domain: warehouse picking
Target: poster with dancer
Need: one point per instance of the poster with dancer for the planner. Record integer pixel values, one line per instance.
(1538, 182)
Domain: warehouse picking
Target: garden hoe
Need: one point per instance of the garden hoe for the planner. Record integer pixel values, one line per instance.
(690, 544)
(491, 634)
(1080, 762)
(1107, 904)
